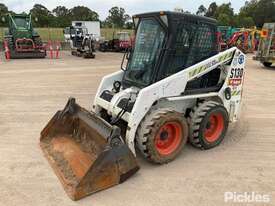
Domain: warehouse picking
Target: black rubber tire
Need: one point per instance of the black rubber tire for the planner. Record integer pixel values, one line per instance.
(267, 64)
(38, 41)
(149, 128)
(88, 55)
(198, 121)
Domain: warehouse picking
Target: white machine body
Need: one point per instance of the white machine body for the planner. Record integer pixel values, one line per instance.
(169, 92)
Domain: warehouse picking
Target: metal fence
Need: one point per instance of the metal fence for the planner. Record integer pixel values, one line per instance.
(54, 34)
(110, 33)
(57, 33)
(45, 33)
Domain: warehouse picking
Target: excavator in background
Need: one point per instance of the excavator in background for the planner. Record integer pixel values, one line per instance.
(224, 34)
(120, 42)
(240, 40)
(21, 40)
(246, 40)
(82, 43)
(174, 86)
(266, 49)
(254, 39)
(227, 32)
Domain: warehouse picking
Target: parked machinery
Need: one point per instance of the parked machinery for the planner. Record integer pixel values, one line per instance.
(21, 40)
(82, 43)
(254, 39)
(176, 87)
(266, 49)
(245, 39)
(121, 42)
(227, 31)
(240, 40)
(224, 34)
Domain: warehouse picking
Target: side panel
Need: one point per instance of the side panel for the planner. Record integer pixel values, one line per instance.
(106, 84)
(235, 81)
(170, 87)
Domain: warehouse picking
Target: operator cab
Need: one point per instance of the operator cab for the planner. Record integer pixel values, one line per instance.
(166, 43)
(21, 22)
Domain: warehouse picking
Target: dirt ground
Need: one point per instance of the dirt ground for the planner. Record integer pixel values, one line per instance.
(31, 91)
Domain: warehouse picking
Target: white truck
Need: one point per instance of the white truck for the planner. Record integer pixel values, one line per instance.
(93, 28)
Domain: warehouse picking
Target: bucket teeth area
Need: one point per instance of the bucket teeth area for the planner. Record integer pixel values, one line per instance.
(76, 144)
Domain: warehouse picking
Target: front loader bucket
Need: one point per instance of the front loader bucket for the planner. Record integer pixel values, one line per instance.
(86, 153)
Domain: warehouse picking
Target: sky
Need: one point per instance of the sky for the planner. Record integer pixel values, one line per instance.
(131, 6)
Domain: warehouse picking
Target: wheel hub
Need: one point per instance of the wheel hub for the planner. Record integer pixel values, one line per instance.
(168, 138)
(163, 135)
(214, 127)
(208, 125)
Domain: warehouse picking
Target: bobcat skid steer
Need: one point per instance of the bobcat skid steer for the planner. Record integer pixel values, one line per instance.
(174, 87)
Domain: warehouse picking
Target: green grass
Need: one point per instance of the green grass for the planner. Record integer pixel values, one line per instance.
(51, 34)
(57, 33)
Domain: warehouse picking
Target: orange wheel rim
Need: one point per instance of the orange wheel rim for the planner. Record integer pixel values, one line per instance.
(168, 138)
(214, 127)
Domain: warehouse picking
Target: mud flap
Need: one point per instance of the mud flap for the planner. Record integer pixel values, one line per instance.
(86, 152)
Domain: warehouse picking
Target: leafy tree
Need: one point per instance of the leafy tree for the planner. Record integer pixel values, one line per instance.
(44, 16)
(129, 25)
(60, 11)
(201, 10)
(249, 8)
(224, 20)
(117, 17)
(224, 9)
(225, 15)
(254, 12)
(260, 10)
(247, 14)
(211, 9)
(83, 13)
(62, 15)
(3, 11)
(265, 12)
(246, 22)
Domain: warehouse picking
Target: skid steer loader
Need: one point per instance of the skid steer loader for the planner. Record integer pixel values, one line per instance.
(174, 87)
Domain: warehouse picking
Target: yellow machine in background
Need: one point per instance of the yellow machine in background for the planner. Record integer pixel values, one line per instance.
(247, 40)
(266, 50)
(253, 38)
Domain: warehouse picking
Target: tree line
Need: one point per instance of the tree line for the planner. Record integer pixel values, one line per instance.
(253, 13)
(62, 16)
